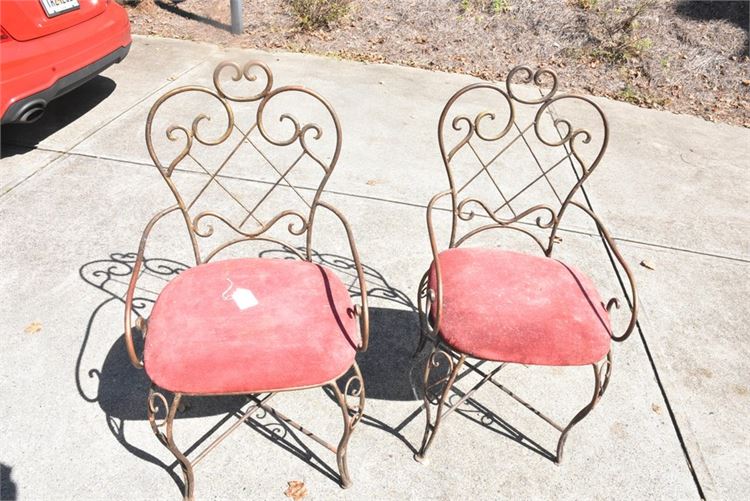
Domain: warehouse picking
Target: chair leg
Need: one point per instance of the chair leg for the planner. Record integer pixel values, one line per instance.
(607, 374)
(599, 388)
(431, 428)
(422, 296)
(155, 401)
(355, 387)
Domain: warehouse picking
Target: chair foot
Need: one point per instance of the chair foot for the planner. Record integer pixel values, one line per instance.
(155, 401)
(599, 388)
(429, 397)
(345, 482)
(352, 416)
(561, 444)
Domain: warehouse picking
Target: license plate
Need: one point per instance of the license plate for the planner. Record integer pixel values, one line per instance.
(56, 7)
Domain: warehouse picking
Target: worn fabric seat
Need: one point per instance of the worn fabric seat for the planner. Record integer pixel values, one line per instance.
(249, 326)
(511, 307)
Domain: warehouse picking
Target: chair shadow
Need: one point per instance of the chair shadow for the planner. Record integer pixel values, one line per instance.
(387, 365)
(389, 368)
(482, 415)
(60, 113)
(120, 389)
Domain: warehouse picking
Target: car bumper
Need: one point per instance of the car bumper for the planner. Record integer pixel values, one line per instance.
(39, 70)
(19, 108)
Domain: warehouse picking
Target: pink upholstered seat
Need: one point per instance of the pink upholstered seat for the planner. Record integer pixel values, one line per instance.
(512, 307)
(206, 335)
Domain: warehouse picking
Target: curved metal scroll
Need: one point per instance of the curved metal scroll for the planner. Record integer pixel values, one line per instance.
(568, 137)
(613, 302)
(141, 323)
(360, 310)
(156, 404)
(352, 413)
(260, 79)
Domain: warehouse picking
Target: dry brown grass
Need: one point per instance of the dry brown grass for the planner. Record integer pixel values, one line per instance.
(319, 14)
(685, 56)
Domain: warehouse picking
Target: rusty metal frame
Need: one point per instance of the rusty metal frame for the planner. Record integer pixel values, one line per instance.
(545, 217)
(437, 393)
(200, 226)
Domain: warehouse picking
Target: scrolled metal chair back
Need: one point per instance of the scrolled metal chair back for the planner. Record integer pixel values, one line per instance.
(547, 129)
(235, 137)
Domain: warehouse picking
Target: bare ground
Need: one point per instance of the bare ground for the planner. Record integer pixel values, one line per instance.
(683, 56)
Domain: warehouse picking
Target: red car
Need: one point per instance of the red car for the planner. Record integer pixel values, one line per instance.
(50, 47)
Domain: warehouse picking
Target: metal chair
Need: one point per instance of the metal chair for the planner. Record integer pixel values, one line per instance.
(244, 325)
(496, 305)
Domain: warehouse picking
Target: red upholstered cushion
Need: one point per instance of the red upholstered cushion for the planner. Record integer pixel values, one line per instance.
(511, 307)
(302, 331)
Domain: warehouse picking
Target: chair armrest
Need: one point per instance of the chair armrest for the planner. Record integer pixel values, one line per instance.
(631, 280)
(433, 296)
(360, 310)
(140, 322)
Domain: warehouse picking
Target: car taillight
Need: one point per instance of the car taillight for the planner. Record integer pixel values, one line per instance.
(4, 37)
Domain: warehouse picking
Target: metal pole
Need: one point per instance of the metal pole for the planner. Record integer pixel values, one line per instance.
(236, 6)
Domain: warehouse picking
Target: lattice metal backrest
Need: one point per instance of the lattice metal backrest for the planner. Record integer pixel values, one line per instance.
(530, 166)
(236, 170)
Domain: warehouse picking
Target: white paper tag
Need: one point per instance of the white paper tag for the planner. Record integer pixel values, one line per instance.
(244, 298)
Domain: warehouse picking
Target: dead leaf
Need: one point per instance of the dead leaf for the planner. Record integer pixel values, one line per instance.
(746, 83)
(656, 408)
(647, 264)
(372, 182)
(296, 490)
(33, 328)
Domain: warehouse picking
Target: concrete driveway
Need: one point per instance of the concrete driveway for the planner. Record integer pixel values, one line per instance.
(78, 187)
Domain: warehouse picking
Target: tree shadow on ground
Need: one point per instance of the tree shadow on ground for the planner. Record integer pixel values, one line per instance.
(173, 8)
(735, 12)
(60, 113)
